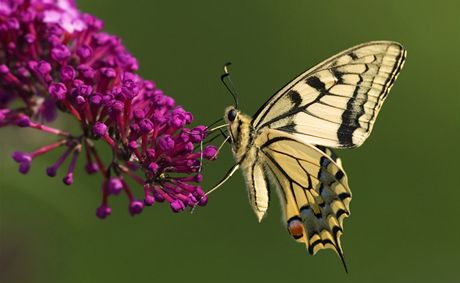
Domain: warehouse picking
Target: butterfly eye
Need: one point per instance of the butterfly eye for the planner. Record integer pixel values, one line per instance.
(231, 115)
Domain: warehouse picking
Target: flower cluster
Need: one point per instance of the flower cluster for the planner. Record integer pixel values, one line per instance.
(53, 57)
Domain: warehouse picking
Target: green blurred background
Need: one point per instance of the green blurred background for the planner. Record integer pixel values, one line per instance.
(404, 225)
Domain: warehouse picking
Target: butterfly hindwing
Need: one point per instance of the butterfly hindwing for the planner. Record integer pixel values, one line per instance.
(312, 187)
(335, 103)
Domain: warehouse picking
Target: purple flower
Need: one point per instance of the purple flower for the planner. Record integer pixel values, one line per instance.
(23, 121)
(103, 211)
(91, 167)
(53, 57)
(153, 167)
(99, 129)
(24, 160)
(145, 125)
(60, 53)
(197, 134)
(57, 91)
(210, 152)
(149, 200)
(177, 205)
(136, 207)
(21, 157)
(68, 73)
(166, 143)
(84, 52)
(115, 186)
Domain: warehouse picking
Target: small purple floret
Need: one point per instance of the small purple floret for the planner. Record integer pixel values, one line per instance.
(24, 167)
(60, 53)
(68, 73)
(68, 179)
(96, 99)
(132, 145)
(153, 167)
(189, 147)
(91, 168)
(43, 68)
(80, 100)
(84, 52)
(210, 152)
(177, 120)
(21, 157)
(146, 125)
(136, 207)
(203, 201)
(158, 197)
(4, 69)
(138, 114)
(86, 71)
(85, 90)
(191, 200)
(115, 186)
(51, 171)
(150, 153)
(58, 91)
(177, 206)
(99, 129)
(108, 72)
(23, 122)
(149, 200)
(197, 134)
(166, 143)
(103, 211)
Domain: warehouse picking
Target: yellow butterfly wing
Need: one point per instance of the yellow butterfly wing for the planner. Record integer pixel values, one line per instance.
(312, 186)
(335, 103)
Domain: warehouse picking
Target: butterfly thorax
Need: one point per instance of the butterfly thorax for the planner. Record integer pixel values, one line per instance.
(240, 131)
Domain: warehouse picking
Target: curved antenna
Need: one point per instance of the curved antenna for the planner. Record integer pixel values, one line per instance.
(227, 81)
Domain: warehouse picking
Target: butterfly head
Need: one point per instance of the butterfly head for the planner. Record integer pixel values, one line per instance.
(239, 128)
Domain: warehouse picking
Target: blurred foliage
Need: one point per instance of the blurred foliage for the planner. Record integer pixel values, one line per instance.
(403, 226)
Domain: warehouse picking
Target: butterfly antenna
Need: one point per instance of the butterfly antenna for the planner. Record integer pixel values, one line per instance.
(227, 81)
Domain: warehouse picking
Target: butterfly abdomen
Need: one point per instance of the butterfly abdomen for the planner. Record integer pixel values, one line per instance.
(246, 155)
(257, 182)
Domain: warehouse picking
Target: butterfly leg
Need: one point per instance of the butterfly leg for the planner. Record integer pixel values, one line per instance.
(225, 179)
(221, 182)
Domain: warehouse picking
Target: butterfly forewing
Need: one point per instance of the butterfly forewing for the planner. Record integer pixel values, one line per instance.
(335, 103)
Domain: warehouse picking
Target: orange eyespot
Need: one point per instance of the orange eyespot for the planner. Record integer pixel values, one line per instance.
(295, 228)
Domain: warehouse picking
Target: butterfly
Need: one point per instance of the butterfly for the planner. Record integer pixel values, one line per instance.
(286, 144)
